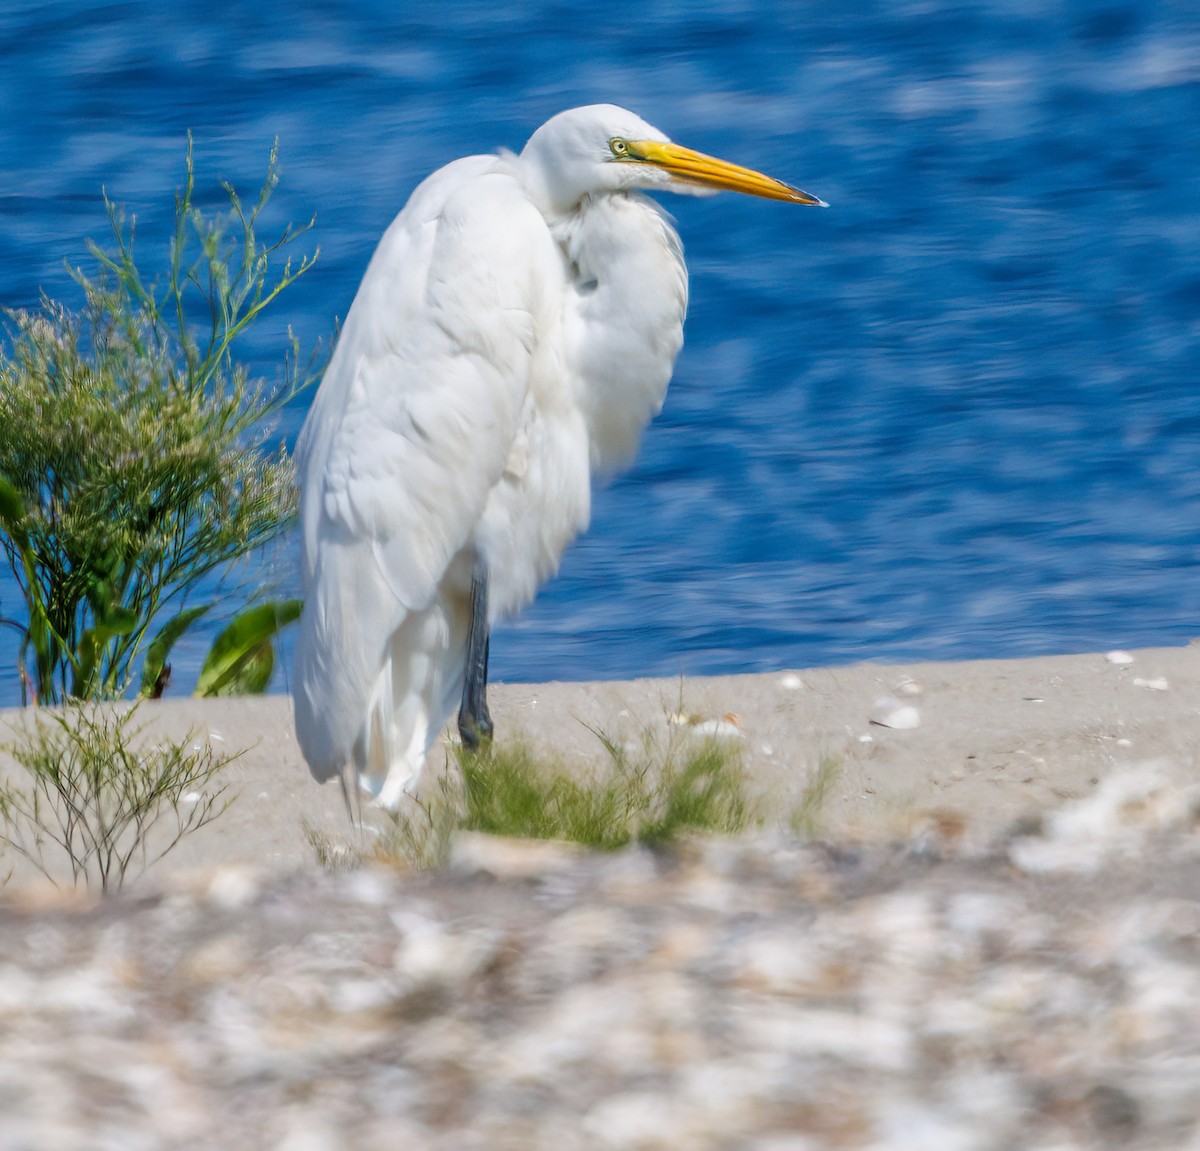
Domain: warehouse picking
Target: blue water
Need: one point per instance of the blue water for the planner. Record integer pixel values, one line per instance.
(955, 415)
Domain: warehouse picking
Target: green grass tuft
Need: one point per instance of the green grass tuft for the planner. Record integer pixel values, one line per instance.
(653, 795)
(652, 798)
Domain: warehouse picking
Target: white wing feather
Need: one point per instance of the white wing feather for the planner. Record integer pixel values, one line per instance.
(408, 434)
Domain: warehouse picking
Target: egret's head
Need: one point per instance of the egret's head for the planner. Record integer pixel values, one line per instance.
(603, 148)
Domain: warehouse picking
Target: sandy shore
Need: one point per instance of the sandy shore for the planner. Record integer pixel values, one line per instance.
(995, 742)
(993, 942)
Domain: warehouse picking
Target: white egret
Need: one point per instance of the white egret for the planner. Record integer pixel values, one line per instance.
(515, 331)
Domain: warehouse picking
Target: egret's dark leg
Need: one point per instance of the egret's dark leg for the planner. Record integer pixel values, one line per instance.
(474, 723)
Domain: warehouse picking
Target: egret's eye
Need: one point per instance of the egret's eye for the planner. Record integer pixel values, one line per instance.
(619, 147)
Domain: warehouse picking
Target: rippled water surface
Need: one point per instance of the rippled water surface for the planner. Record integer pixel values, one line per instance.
(956, 415)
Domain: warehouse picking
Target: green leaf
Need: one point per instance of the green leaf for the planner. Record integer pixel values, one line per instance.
(12, 515)
(160, 646)
(117, 621)
(40, 634)
(253, 672)
(241, 657)
(12, 521)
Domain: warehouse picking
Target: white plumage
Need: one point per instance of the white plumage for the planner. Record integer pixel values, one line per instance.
(515, 331)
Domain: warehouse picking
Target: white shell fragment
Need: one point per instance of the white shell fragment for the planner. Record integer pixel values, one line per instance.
(1159, 683)
(890, 712)
(722, 728)
(791, 682)
(1120, 658)
(729, 726)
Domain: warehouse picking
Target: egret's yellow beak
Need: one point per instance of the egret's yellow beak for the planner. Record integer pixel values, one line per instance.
(709, 172)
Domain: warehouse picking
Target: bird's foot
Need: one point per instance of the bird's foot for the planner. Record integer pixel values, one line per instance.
(475, 729)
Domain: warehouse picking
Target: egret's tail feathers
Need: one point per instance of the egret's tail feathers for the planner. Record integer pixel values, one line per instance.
(415, 693)
(375, 688)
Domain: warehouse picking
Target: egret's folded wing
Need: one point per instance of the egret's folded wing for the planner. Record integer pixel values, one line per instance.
(418, 411)
(410, 430)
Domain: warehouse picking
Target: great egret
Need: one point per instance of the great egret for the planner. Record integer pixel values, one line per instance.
(515, 331)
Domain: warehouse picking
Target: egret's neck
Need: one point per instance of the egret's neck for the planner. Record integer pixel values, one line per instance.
(548, 182)
(625, 315)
